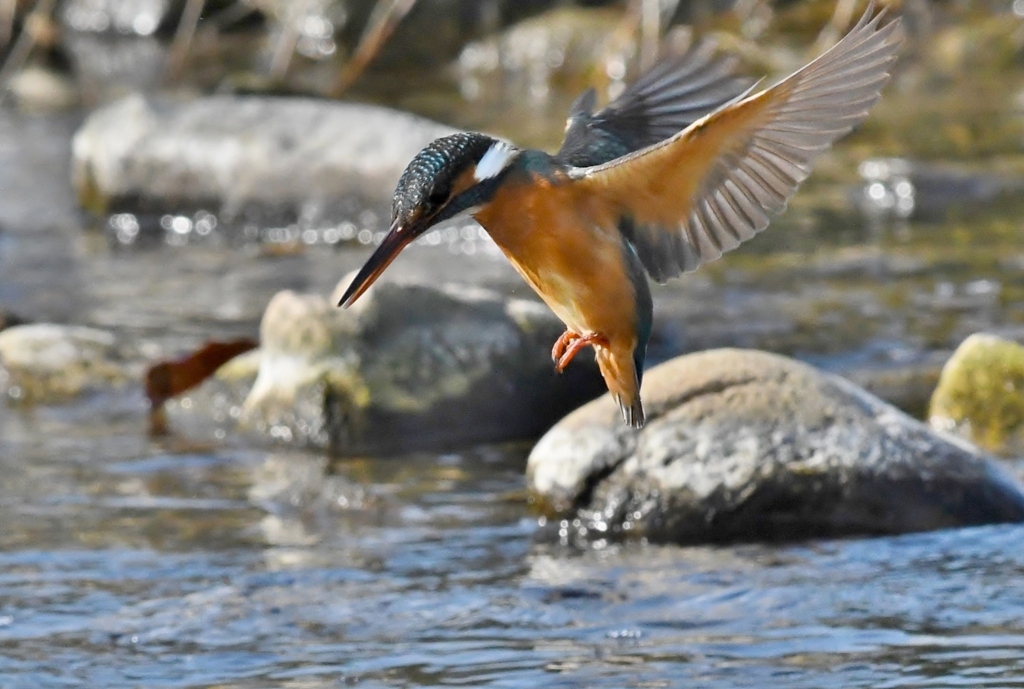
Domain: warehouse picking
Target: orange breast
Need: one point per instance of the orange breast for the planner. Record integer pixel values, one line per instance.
(568, 249)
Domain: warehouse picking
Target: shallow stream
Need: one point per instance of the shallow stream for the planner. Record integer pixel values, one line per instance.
(132, 561)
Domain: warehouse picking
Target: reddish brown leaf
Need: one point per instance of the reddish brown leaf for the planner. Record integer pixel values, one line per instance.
(168, 379)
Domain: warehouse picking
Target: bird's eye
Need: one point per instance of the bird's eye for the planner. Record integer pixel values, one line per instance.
(438, 197)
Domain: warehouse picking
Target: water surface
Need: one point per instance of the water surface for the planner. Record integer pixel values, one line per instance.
(126, 562)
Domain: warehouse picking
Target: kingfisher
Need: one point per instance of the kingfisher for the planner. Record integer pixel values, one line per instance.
(686, 164)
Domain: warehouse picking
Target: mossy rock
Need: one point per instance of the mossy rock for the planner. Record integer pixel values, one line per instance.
(981, 394)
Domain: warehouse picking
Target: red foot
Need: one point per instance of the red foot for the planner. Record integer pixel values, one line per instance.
(575, 345)
(561, 343)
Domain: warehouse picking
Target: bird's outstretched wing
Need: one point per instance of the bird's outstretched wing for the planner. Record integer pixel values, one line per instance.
(685, 201)
(673, 94)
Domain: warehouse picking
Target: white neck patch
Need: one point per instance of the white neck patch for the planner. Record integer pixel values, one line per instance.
(496, 159)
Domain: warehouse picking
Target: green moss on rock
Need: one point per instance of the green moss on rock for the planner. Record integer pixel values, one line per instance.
(980, 394)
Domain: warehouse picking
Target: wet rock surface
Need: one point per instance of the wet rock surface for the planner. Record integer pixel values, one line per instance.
(745, 445)
(980, 394)
(409, 366)
(230, 153)
(45, 362)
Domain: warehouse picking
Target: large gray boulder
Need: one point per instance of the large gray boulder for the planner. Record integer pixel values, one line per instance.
(408, 367)
(227, 153)
(744, 445)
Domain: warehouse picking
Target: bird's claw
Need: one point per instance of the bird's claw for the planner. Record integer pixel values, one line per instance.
(569, 345)
(558, 350)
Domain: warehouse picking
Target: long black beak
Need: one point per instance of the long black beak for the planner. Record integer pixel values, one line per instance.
(397, 238)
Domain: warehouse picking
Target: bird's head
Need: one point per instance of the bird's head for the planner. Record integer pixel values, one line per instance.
(453, 176)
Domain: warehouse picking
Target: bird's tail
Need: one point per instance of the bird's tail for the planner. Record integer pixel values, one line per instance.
(632, 410)
(620, 375)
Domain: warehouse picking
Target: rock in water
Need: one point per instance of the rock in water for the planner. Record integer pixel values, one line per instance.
(745, 445)
(232, 153)
(407, 367)
(980, 394)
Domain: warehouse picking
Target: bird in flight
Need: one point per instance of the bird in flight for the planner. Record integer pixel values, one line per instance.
(685, 165)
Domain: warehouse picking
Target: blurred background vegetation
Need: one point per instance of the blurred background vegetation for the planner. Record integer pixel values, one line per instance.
(435, 56)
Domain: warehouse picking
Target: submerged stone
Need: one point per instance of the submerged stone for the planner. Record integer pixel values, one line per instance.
(408, 367)
(745, 445)
(980, 394)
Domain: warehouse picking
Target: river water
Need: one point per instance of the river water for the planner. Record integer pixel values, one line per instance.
(131, 561)
(126, 562)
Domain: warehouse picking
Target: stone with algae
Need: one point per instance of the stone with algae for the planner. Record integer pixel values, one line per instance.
(980, 394)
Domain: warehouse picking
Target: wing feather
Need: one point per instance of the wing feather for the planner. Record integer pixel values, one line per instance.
(689, 199)
(669, 97)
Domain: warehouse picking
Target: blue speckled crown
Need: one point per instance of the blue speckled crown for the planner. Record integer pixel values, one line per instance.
(432, 171)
